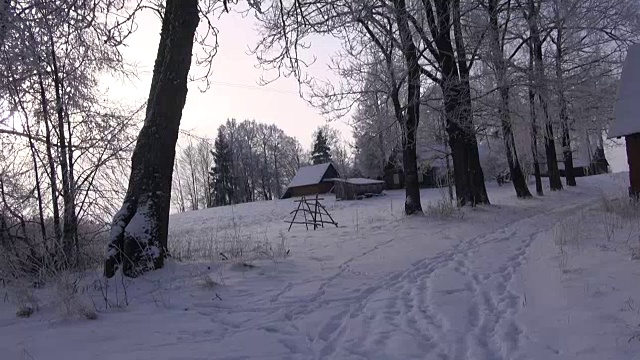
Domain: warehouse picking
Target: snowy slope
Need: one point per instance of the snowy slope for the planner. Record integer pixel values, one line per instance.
(485, 283)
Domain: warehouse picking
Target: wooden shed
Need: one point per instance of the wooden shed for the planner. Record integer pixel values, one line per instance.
(351, 189)
(627, 116)
(311, 180)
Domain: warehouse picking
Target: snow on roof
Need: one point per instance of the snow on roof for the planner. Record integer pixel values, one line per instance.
(627, 112)
(309, 175)
(360, 181)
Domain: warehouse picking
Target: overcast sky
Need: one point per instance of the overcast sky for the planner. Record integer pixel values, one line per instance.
(234, 91)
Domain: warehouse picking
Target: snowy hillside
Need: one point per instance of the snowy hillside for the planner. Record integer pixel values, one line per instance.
(546, 278)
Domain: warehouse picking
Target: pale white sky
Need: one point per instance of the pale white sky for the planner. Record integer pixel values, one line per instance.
(234, 92)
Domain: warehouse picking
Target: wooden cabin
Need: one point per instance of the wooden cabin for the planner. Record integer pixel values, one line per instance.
(353, 188)
(311, 180)
(627, 116)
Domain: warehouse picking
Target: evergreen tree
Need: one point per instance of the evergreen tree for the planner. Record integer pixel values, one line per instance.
(222, 182)
(321, 151)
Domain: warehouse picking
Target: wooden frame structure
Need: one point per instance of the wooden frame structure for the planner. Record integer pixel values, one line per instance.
(315, 214)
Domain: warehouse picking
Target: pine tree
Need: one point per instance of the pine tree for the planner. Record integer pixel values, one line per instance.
(321, 151)
(221, 172)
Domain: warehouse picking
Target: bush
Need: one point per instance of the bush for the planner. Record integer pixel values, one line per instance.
(443, 208)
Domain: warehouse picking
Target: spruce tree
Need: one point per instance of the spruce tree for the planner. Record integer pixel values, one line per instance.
(222, 184)
(321, 151)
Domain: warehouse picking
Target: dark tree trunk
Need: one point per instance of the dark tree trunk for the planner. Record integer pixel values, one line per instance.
(555, 183)
(277, 173)
(517, 176)
(633, 159)
(36, 172)
(464, 147)
(515, 169)
(409, 154)
(534, 126)
(534, 143)
(72, 187)
(564, 116)
(468, 175)
(478, 188)
(139, 230)
(68, 218)
(53, 174)
(4, 232)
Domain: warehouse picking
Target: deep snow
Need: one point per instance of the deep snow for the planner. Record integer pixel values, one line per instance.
(484, 283)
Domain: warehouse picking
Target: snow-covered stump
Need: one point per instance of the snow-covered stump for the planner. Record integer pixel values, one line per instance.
(138, 238)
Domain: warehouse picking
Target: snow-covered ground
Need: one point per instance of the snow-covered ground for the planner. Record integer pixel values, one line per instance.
(545, 278)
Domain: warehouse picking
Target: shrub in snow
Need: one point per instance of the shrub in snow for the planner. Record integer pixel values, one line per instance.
(620, 219)
(444, 208)
(568, 233)
(26, 300)
(69, 300)
(207, 282)
(230, 244)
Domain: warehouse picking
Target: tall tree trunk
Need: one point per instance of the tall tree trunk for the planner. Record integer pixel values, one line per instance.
(4, 231)
(409, 154)
(555, 182)
(68, 218)
(469, 178)
(517, 176)
(447, 159)
(534, 125)
(139, 230)
(72, 186)
(478, 188)
(515, 169)
(53, 173)
(277, 173)
(564, 116)
(36, 172)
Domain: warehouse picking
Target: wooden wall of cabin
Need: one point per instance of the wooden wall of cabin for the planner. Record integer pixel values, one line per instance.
(633, 158)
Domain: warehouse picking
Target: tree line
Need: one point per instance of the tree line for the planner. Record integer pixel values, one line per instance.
(247, 161)
(539, 75)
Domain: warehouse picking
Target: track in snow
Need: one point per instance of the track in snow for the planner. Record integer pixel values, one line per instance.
(458, 304)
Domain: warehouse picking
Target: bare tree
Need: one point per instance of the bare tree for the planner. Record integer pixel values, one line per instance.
(51, 55)
(495, 10)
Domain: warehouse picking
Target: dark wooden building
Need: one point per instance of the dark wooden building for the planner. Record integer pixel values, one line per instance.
(353, 188)
(633, 159)
(627, 116)
(311, 180)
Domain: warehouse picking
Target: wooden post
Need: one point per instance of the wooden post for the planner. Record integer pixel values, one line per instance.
(633, 158)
